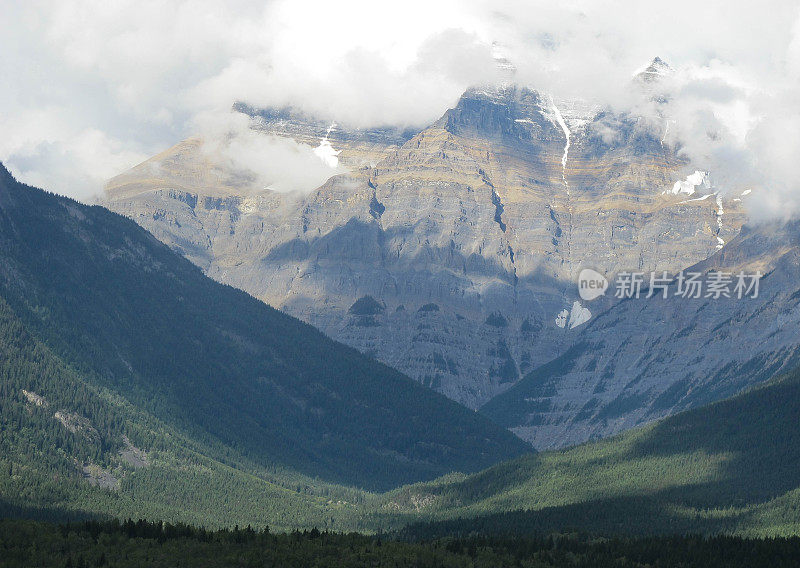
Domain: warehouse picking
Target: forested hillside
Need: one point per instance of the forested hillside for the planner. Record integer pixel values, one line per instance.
(733, 466)
(71, 450)
(214, 364)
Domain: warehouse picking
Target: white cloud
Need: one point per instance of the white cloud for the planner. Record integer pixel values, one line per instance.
(89, 88)
(279, 164)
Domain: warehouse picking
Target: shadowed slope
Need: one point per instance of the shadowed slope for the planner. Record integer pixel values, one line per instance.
(216, 363)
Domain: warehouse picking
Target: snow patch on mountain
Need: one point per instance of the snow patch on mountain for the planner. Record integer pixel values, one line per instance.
(579, 315)
(720, 213)
(574, 317)
(702, 198)
(690, 184)
(326, 152)
(562, 123)
(562, 318)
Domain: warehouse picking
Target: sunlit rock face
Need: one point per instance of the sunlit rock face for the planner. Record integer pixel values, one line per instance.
(646, 358)
(467, 236)
(352, 147)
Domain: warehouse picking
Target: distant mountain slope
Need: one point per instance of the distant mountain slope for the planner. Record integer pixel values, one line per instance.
(216, 364)
(730, 466)
(470, 233)
(646, 358)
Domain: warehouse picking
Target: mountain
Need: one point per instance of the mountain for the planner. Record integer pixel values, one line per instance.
(355, 148)
(71, 449)
(135, 386)
(136, 321)
(646, 358)
(654, 72)
(732, 467)
(465, 238)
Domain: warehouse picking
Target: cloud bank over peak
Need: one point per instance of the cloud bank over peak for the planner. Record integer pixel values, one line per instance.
(91, 88)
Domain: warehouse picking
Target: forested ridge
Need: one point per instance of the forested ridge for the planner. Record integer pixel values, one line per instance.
(733, 466)
(138, 543)
(133, 317)
(49, 472)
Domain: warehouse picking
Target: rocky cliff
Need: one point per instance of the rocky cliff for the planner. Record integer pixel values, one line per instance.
(450, 253)
(646, 358)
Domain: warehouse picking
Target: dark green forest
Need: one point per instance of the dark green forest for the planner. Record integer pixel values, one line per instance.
(733, 467)
(129, 543)
(49, 472)
(133, 317)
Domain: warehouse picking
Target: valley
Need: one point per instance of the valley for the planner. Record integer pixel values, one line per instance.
(421, 284)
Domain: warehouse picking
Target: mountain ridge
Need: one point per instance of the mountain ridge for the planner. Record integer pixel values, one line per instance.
(146, 323)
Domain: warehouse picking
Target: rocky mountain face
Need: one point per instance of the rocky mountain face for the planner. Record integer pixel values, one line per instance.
(450, 253)
(646, 358)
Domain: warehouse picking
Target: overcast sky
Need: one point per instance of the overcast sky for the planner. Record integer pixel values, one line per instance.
(88, 89)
